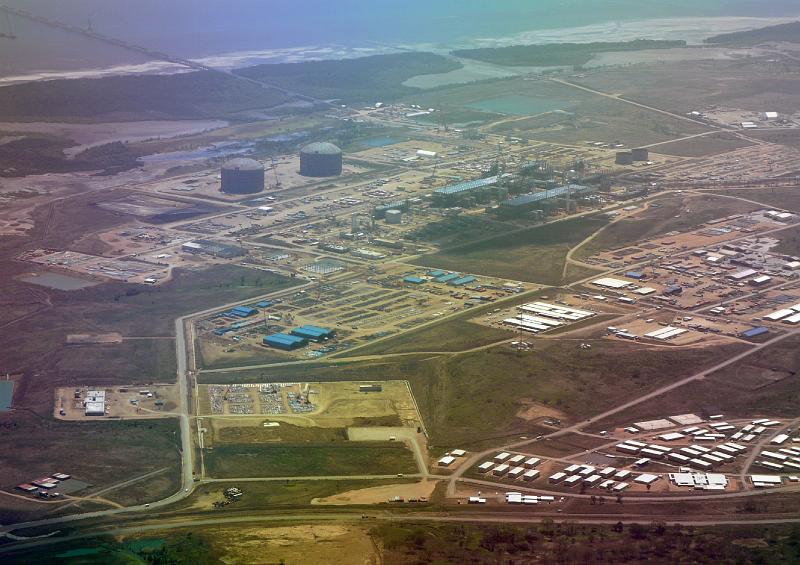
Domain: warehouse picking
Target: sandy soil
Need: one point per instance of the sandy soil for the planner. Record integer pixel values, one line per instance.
(295, 544)
(378, 495)
(87, 135)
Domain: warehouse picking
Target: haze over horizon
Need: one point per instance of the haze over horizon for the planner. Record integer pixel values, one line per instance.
(209, 28)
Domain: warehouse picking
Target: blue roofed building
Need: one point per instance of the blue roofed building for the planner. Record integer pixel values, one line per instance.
(243, 311)
(448, 277)
(313, 333)
(414, 280)
(285, 342)
(462, 281)
(755, 332)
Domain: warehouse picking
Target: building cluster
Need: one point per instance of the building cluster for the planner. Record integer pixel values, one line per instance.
(44, 487)
(298, 337)
(536, 317)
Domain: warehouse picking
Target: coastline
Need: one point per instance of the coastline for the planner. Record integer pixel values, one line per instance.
(692, 30)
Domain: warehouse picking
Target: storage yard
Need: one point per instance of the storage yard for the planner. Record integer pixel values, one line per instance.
(119, 402)
(352, 311)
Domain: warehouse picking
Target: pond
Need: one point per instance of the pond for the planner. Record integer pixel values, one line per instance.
(58, 281)
(517, 104)
(381, 141)
(6, 394)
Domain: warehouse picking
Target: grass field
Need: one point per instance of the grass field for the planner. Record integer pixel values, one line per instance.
(187, 95)
(451, 335)
(763, 385)
(783, 197)
(99, 453)
(211, 357)
(248, 431)
(674, 213)
(284, 493)
(683, 86)
(604, 119)
(378, 77)
(289, 460)
(468, 400)
(790, 242)
(131, 310)
(534, 255)
(712, 144)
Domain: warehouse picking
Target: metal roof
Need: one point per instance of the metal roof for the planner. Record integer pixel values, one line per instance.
(467, 186)
(284, 338)
(526, 199)
(321, 148)
(243, 164)
(317, 329)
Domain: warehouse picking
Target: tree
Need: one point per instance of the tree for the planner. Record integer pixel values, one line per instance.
(637, 531)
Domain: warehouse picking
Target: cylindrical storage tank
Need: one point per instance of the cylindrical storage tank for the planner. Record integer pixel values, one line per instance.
(320, 160)
(640, 154)
(624, 158)
(242, 176)
(394, 217)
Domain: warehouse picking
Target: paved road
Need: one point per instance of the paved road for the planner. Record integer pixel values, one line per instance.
(475, 458)
(619, 98)
(485, 517)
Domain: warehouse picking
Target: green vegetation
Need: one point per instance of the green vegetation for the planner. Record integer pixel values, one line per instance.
(132, 310)
(471, 399)
(790, 242)
(260, 495)
(288, 460)
(782, 197)
(664, 215)
(451, 335)
(176, 549)
(569, 542)
(764, 384)
(366, 79)
(558, 54)
(99, 453)
(183, 96)
(37, 154)
(712, 144)
(782, 32)
(535, 255)
(285, 432)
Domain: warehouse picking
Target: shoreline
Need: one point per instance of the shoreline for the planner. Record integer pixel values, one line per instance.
(692, 30)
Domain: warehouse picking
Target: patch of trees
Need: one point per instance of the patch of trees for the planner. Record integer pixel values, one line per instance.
(188, 95)
(559, 54)
(783, 32)
(365, 79)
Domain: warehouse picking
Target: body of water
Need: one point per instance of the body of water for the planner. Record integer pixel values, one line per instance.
(517, 104)
(382, 141)
(6, 394)
(58, 281)
(245, 32)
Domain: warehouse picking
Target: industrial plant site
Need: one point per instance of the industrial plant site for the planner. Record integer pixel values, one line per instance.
(508, 303)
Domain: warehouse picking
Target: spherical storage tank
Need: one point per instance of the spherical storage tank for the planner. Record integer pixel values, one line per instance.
(320, 160)
(242, 176)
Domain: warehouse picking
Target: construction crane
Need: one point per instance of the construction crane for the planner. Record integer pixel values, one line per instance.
(7, 33)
